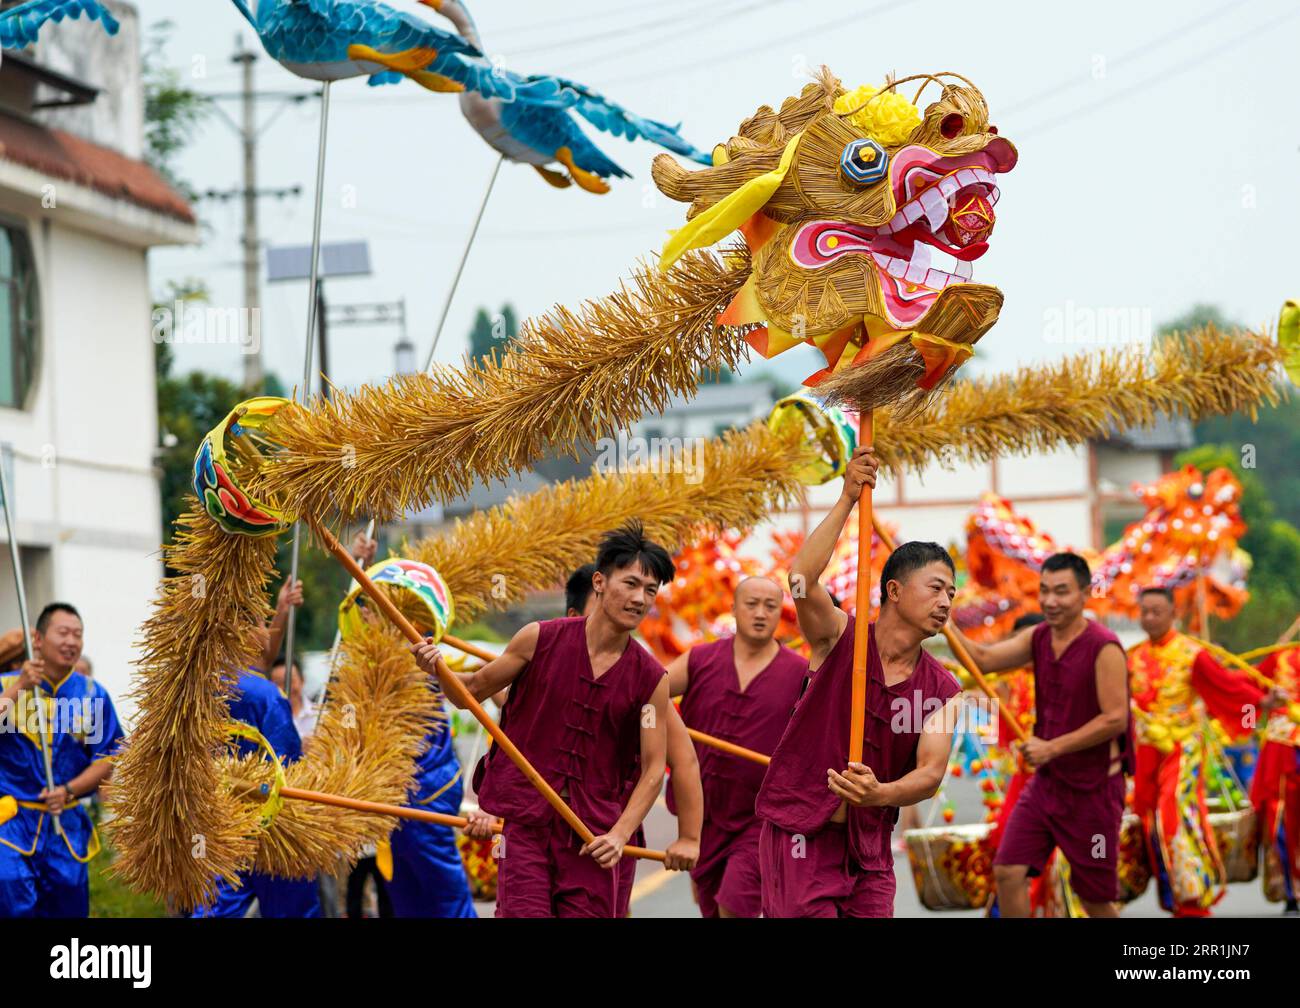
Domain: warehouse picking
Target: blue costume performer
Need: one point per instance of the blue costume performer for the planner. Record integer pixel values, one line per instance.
(259, 703)
(428, 874)
(43, 861)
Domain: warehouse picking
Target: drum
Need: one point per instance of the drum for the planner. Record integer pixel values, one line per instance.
(416, 588)
(1134, 865)
(951, 865)
(1238, 843)
(480, 865)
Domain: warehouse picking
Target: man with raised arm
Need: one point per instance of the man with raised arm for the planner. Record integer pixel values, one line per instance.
(824, 849)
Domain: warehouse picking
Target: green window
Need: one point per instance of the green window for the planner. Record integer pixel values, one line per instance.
(19, 317)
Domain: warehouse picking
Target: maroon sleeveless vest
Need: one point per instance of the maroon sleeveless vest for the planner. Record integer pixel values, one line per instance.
(756, 719)
(1065, 694)
(582, 734)
(794, 795)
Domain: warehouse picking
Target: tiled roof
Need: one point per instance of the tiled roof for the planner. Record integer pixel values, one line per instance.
(63, 155)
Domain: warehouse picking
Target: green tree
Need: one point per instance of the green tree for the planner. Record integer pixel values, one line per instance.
(1197, 316)
(1274, 547)
(1270, 445)
(491, 333)
(172, 112)
(188, 406)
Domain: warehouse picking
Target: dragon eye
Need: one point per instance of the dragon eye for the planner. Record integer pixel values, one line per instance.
(952, 125)
(863, 163)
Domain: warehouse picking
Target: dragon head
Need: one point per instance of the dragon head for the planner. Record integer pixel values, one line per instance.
(863, 217)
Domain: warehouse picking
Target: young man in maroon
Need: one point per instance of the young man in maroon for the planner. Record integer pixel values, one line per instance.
(586, 703)
(1081, 748)
(685, 792)
(740, 689)
(824, 848)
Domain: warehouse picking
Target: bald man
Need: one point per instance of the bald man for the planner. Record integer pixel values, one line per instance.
(740, 689)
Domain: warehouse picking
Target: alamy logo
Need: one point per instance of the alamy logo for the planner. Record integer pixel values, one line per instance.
(182, 322)
(102, 962)
(81, 716)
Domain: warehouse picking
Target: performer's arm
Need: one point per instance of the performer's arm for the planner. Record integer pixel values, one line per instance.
(688, 795)
(1277, 696)
(290, 596)
(1112, 698)
(1230, 696)
(29, 677)
(819, 621)
(679, 675)
(1007, 654)
(608, 847)
(858, 784)
(491, 678)
(81, 785)
(103, 739)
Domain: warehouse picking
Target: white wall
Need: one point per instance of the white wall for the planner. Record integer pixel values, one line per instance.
(84, 483)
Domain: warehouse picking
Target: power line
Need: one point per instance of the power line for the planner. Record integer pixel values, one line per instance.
(1142, 50)
(622, 32)
(1191, 63)
(690, 29)
(589, 18)
(748, 50)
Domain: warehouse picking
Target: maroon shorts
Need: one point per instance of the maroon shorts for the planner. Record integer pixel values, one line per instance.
(541, 874)
(1083, 824)
(815, 876)
(727, 874)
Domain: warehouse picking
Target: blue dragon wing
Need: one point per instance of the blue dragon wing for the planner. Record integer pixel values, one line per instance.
(20, 26)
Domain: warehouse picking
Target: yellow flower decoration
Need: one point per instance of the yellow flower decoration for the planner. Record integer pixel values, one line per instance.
(888, 119)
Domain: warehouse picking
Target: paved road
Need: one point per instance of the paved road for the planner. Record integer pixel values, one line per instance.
(668, 894)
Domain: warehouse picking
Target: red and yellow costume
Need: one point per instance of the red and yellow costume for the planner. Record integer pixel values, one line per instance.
(1173, 683)
(1275, 788)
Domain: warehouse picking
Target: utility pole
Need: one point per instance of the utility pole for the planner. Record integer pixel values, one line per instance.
(249, 131)
(253, 375)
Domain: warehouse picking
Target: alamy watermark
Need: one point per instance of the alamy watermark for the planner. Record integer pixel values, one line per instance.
(658, 455)
(83, 717)
(194, 323)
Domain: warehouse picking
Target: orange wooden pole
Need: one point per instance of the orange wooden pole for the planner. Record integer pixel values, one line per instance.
(862, 609)
(729, 747)
(455, 689)
(422, 815)
(473, 650)
(709, 740)
(962, 655)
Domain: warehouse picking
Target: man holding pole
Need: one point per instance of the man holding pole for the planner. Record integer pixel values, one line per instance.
(586, 701)
(420, 864)
(1080, 750)
(824, 848)
(46, 835)
(740, 689)
(685, 793)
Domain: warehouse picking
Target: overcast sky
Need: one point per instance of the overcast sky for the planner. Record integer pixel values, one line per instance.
(1158, 159)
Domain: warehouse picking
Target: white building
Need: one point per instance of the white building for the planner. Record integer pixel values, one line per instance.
(1080, 495)
(79, 211)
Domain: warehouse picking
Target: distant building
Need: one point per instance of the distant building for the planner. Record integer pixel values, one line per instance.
(1081, 495)
(79, 211)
